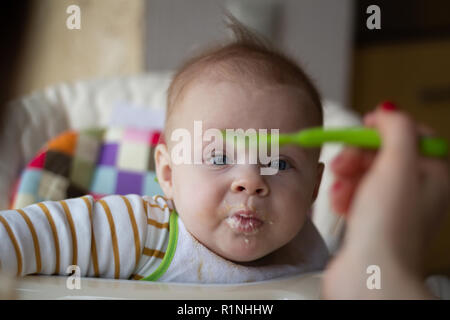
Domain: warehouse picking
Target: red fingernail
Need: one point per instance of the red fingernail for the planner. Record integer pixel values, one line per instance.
(388, 106)
(336, 186)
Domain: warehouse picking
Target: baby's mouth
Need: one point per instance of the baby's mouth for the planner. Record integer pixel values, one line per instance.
(245, 221)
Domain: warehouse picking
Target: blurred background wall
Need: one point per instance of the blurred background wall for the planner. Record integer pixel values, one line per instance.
(316, 33)
(129, 36)
(110, 42)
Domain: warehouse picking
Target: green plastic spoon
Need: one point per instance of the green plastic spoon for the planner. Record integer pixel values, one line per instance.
(354, 136)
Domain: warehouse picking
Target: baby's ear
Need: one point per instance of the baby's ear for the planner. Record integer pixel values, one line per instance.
(164, 169)
(320, 169)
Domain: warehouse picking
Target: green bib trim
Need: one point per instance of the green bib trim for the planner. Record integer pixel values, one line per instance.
(171, 248)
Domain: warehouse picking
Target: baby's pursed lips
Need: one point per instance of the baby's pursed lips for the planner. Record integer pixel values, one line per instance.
(247, 213)
(244, 210)
(245, 221)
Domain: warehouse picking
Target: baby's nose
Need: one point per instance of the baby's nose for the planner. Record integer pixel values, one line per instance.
(252, 184)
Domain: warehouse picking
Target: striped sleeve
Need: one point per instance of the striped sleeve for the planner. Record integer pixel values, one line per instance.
(157, 238)
(104, 238)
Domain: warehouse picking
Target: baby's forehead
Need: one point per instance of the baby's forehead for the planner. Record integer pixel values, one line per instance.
(229, 104)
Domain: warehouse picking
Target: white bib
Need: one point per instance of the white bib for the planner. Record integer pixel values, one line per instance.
(194, 263)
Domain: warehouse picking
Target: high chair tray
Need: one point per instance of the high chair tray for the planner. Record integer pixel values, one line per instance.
(305, 286)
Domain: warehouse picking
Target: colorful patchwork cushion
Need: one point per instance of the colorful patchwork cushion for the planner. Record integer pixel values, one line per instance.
(97, 161)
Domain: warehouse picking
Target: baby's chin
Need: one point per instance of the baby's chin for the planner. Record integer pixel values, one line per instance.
(251, 260)
(247, 251)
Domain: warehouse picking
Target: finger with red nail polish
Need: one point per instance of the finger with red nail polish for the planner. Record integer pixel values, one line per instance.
(388, 106)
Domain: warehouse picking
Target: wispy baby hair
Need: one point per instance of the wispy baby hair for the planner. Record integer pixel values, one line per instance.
(249, 57)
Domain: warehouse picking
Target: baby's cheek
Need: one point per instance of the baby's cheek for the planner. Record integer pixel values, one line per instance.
(184, 181)
(293, 205)
(195, 193)
(200, 190)
(302, 189)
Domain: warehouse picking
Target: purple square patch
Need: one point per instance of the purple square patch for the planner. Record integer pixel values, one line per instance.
(108, 154)
(129, 182)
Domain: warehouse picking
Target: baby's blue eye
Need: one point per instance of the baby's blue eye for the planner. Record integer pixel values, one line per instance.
(280, 164)
(219, 159)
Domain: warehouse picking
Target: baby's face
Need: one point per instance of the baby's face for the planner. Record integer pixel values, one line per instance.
(209, 196)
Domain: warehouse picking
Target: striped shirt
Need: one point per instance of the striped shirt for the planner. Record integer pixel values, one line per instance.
(117, 237)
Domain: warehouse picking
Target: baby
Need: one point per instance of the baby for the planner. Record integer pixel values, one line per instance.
(218, 222)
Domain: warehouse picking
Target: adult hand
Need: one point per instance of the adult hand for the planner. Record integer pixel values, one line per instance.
(394, 200)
